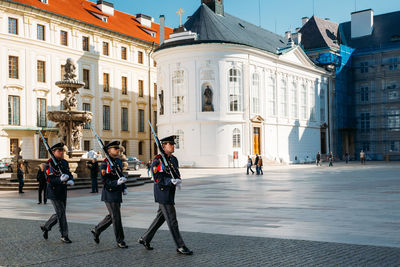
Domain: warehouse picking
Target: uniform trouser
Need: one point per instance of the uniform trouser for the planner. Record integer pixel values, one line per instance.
(114, 217)
(60, 217)
(42, 188)
(167, 213)
(94, 184)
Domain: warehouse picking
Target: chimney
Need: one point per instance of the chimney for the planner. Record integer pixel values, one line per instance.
(162, 29)
(362, 23)
(144, 20)
(105, 7)
(304, 20)
(297, 38)
(215, 5)
(327, 19)
(287, 35)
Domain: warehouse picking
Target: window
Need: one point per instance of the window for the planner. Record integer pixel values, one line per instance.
(365, 146)
(140, 57)
(124, 85)
(140, 86)
(365, 122)
(155, 91)
(141, 120)
(322, 104)
(179, 139)
(14, 144)
(294, 102)
(393, 94)
(85, 43)
(393, 120)
(13, 26)
(312, 103)
(106, 82)
(41, 34)
(62, 72)
(155, 120)
(303, 102)
(123, 53)
(256, 93)
(140, 147)
(283, 99)
(86, 107)
(124, 119)
(44, 1)
(272, 96)
(364, 94)
(154, 63)
(364, 67)
(106, 117)
(393, 64)
(64, 38)
(41, 71)
(13, 67)
(178, 91)
(236, 138)
(394, 146)
(42, 149)
(105, 49)
(86, 145)
(86, 78)
(41, 112)
(13, 110)
(234, 87)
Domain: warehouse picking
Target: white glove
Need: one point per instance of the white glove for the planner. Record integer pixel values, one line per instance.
(64, 177)
(70, 182)
(176, 181)
(125, 192)
(121, 180)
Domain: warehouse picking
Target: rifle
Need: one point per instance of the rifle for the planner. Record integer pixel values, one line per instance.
(53, 158)
(166, 162)
(113, 165)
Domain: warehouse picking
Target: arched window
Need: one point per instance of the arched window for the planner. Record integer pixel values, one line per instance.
(294, 101)
(322, 104)
(255, 93)
(235, 90)
(271, 96)
(236, 138)
(124, 144)
(179, 139)
(178, 91)
(140, 147)
(283, 99)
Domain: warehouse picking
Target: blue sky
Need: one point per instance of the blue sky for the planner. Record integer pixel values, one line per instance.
(283, 14)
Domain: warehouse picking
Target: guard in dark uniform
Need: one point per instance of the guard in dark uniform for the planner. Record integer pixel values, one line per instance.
(57, 192)
(113, 188)
(164, 194)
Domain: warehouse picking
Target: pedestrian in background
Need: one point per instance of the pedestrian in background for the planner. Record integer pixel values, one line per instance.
(148, 165)
(20, 176)
(260, 165)
(362, 157)
(318, 159)
(347, 157)
(256, 164)
(93, 165)
(41, 178)
(249, 164)
(330, 159)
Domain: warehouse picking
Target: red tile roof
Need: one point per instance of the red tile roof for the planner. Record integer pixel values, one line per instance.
(82, 10)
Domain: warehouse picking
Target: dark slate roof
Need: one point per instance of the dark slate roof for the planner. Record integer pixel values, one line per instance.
(386, 27)
(213, 28)
(319, 33)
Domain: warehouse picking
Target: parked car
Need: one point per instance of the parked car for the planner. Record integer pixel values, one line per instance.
(3, 167)
(134, 163)
(8, 163)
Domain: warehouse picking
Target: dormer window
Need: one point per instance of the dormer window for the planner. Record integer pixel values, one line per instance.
(104, 19)
(100, 16)
(44, 1)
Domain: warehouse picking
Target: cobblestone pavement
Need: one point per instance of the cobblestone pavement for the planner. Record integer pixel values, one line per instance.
(22, 245)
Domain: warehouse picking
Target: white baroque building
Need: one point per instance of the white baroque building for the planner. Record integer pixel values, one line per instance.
(268, 98)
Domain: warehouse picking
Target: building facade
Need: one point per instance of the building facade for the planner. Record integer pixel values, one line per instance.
(226, 97)
(112, 51)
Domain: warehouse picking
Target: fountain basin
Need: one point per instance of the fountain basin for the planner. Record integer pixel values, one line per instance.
(70, 116)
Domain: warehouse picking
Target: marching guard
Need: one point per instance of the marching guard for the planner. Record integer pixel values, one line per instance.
(166, 179)
(58, 177)
(113, 188)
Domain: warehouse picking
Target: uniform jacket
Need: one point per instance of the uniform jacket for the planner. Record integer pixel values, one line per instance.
(112, 192)
(164, 189)
(56, 189)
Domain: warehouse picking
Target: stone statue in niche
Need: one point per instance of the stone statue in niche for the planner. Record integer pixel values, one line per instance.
(208, 98)
(161, 98)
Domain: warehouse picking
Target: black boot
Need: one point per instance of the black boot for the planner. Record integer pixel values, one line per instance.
(184, 250)
(45, 232)
(145, 244)
(65, 239)
(122, 245)
(95, 236)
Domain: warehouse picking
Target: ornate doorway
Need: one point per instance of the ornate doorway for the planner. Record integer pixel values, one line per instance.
(256, 140)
